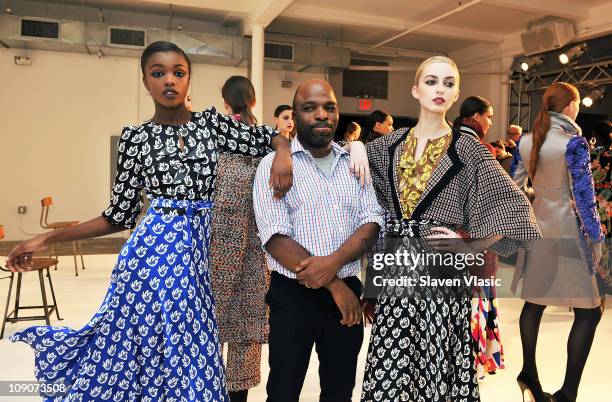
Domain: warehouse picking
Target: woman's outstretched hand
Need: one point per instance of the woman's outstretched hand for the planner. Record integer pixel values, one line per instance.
(456, 242)
(447, 240)
(360, 165)
(20, 257)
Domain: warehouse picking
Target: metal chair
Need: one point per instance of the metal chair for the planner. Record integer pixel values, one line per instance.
(38, 265)
(44, 215)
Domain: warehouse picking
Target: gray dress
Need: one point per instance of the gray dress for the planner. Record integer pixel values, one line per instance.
(558, 271)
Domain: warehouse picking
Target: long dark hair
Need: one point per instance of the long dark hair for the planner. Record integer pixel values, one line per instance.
(239, 94)
(469, 107)
(280, 109)
(161, 46)
(350, 129)
(377, 116)
(555, 99)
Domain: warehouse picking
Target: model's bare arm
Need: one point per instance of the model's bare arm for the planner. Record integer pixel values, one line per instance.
(20, 256)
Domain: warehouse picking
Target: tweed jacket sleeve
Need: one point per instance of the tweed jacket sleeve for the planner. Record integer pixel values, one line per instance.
(495, 206)
(380, 159)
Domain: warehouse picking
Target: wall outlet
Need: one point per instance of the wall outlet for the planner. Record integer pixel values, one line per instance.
(22, 209)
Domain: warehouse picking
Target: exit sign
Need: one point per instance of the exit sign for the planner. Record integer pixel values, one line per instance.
(364, 104)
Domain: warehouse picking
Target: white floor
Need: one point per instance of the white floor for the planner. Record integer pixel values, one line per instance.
(80, 297)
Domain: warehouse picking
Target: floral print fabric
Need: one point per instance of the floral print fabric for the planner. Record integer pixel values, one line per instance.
(151, 156)
(414, 174)
(155, 336)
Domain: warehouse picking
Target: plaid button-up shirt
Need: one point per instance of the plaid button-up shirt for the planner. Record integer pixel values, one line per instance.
(320, 212)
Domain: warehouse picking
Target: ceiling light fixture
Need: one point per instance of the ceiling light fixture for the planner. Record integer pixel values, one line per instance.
(595, 95)
(531, 62)
(573, 53)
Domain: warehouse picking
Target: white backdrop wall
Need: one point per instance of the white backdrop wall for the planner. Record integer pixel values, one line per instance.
(493, 87)
(56, 117)
(490, 87)
(275, 95)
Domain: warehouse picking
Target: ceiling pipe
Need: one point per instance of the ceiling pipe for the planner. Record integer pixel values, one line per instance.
(484, 60)
(390, 52)
(384, 68)
(460, 8)
(412, 68)
(513, 52)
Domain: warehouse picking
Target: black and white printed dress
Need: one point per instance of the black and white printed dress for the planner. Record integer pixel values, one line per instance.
(155, 337)
(420, 346)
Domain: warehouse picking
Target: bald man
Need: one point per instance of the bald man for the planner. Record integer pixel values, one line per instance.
(314, 237)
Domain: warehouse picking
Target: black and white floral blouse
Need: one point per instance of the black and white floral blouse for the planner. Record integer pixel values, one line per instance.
(150, 157)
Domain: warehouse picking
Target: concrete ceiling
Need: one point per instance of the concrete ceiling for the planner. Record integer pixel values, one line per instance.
(449, 27)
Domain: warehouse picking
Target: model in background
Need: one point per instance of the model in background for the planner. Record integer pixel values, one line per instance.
(561, 270)
(239, 277)
(474, 119)
(433, 182)
(283, 119)
(352, 133)
(155, 336)
(378, 123)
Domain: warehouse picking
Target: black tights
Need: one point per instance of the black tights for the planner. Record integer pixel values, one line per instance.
(239, 396)
(578, 344)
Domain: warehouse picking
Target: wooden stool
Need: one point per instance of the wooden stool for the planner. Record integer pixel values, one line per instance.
(39, 265)
(44, 214)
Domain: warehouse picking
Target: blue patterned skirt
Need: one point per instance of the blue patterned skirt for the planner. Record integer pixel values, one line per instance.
(155, 336)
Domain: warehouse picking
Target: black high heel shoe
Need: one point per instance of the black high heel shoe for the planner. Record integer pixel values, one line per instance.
(559, 396)
(534, 388)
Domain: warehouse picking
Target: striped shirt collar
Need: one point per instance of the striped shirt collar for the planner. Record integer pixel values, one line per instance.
(296, 146)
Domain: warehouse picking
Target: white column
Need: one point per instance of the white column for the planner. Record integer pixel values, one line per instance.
(257, 68)
(506, 65)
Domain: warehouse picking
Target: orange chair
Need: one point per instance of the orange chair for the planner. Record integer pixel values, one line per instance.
(38, 265)
(44, 215)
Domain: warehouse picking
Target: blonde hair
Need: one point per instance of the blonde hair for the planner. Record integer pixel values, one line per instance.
(516, 127)
(431, 60)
